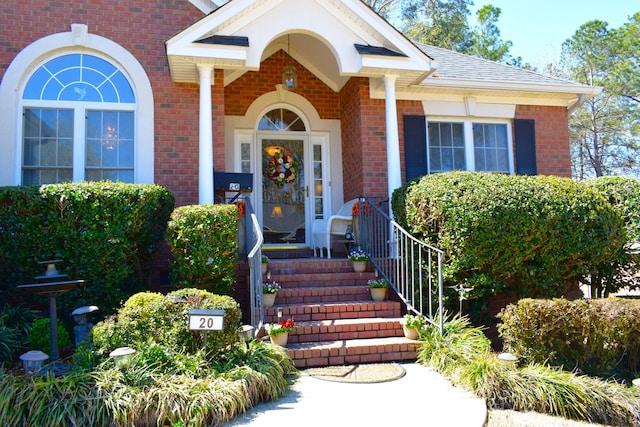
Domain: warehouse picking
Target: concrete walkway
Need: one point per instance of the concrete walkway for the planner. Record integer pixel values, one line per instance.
(421, 398)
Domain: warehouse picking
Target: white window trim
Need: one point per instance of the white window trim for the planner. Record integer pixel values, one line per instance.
(39, 52)
(468, 138)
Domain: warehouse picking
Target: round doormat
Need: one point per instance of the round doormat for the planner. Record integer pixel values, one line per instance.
(369, 373)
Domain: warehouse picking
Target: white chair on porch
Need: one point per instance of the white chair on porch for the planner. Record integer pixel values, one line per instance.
(337, 225)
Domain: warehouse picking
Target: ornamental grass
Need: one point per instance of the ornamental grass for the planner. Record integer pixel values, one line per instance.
(147, 393)
(463, 355)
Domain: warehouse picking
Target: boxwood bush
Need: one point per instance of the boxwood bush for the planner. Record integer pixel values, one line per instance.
(623, 193)
(104, 232)
(511, 233)
(149, 317)
(600, 336)
(203, 239)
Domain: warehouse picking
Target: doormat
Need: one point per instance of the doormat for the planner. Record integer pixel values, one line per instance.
(369, 373)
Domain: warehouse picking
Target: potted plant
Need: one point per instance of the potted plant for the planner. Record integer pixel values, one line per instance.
(378, 288)
(265, 264)
(279, 332)
(412, 324)
(269, 291)
(359, 259)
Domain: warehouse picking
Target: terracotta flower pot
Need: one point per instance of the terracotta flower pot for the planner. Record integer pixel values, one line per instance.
(268, 300)
(378, 294)
(265, 265)
(359, 266)
(410, 333)
(280, 339)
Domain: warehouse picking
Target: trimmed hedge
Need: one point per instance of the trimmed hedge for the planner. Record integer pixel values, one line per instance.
(149, 317)
(104, 232)
(623, 193)
(598, 336)
(499, 232)
(203, 239)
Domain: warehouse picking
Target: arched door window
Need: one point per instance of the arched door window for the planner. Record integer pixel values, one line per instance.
(78, 122)
(281, 119)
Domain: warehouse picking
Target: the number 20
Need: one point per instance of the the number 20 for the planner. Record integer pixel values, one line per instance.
(207, 322)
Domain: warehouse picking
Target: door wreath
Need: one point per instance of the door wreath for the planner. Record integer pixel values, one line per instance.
(282, 167)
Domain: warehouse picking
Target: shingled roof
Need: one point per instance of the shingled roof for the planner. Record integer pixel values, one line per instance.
(454, 65)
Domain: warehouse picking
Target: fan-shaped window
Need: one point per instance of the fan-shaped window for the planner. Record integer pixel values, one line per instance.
(78, 122)
(79, 77)
(281, 119)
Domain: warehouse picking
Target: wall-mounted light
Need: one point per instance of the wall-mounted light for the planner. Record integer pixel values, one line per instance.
(276, 212)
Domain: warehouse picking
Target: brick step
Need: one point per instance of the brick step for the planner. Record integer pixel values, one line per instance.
(303, 280)
(341, 352)
(334, 310)
(345, 329)
(353, 292)
(282, 267)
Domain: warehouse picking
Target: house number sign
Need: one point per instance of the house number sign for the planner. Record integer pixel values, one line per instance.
(206, 320)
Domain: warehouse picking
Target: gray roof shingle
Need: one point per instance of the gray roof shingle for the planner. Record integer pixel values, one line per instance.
(454, 65)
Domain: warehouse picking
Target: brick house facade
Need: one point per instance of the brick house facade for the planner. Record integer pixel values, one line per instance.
(356, 76)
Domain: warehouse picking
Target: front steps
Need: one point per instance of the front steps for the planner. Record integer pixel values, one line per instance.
(337, 322)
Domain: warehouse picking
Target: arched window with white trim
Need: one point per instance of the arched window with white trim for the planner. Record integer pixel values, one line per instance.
(78, 122)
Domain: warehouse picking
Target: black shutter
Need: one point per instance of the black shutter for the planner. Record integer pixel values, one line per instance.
(525, 134)
(415, 146)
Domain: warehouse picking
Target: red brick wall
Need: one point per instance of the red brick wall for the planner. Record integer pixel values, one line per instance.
(552, 138)
(351, 132)
(242, 92)
(364, 143)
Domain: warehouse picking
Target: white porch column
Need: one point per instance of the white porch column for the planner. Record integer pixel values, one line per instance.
(393, 142)
(205, 155)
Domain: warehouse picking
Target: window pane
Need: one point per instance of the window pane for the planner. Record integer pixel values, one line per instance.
(480, 161)
(435, 165)
(446, 147)
(65, 123)
(31, 123)
(46, 151)
(125, 154)
(109, 153)
(459, 159)
(126, 176)
(31, 152)
(491, 147)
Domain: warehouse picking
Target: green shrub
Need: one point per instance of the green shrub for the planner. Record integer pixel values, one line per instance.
(505, 233)
(154, 318)
(203, 240)
(623, 194)
(104, 232)
(596, 336)
(40, 335)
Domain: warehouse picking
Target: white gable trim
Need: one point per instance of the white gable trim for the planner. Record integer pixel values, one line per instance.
(339, 25)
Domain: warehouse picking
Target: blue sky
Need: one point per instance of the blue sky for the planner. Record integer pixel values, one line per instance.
(537, 28)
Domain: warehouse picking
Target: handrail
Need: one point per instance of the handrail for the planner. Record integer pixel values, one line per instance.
(254, 239)
(412, 267)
